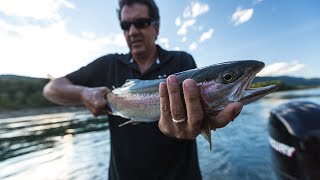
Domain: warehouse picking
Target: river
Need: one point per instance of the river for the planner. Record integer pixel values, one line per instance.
(75, 145)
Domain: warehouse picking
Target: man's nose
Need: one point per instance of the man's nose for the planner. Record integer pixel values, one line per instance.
(133, 30)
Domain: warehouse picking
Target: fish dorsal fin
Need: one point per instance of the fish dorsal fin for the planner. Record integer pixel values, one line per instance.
(132, 85)
(125, 87)
(130, 82)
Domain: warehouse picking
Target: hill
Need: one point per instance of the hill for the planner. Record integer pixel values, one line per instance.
(19, 92)
(291, 81)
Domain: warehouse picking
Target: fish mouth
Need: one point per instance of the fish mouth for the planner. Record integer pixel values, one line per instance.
(252, 94)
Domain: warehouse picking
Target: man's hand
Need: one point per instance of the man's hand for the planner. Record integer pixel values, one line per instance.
(94, 100)
(172, 109)
(63, 91)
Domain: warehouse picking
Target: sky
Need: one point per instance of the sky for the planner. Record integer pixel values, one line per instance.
(41, 38)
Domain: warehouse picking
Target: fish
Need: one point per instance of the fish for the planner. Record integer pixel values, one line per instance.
(219, 84)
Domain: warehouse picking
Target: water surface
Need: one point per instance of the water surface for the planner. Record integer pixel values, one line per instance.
(76, 145)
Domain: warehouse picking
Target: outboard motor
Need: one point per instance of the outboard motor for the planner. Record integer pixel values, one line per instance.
(294, 130)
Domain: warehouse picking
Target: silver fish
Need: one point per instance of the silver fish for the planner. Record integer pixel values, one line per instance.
(219, 84)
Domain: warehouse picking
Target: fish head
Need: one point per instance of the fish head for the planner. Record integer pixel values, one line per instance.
(224, 83)
(228, 82)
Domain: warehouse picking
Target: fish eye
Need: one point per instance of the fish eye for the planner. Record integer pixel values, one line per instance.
(229, 77)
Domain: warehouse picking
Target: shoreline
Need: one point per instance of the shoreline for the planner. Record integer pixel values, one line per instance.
(4, 114)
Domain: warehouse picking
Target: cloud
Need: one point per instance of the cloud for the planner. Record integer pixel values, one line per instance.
(195, 9)
(281, 68)
(36, 9)
(37, 50)
(199, 8)
(255, 2)
(206, 35)
(88, 35)
(164, 42)
(193, 46)
(189, 16)
(184, 27)
(241, 16)
(178, 21)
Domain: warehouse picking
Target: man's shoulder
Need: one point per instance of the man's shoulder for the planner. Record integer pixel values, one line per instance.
(112, 58)
(175, 54)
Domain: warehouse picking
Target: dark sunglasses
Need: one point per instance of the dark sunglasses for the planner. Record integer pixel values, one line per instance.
(138, 23)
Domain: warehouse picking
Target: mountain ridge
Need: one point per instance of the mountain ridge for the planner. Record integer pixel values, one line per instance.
(289, 80)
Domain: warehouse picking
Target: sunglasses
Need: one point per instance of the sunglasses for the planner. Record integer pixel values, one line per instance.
(138, 23)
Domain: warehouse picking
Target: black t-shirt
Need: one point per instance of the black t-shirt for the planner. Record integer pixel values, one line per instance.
(141, 151)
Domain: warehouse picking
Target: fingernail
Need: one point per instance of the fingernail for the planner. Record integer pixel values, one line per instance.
(172, 79)
(162, 87)
(189, 83)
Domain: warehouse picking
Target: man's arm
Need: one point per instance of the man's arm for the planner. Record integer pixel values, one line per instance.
(64, 92)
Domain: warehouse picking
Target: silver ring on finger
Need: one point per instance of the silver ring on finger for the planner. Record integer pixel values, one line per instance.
(178, 120)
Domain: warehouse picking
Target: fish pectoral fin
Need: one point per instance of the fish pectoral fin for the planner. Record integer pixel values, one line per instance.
(206, 131)
(128, 122)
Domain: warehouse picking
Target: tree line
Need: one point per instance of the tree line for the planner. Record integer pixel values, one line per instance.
(282, 85)
(19, 93)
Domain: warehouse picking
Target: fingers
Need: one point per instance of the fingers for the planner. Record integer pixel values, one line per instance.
(105, 96)
(193, 103)
(193, 106)
(176, 106)
(172, 107)
(165, 122)
(94, 100)
(229, 113)
(105, 91)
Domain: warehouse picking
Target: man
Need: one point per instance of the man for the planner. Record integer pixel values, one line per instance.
(160, 150)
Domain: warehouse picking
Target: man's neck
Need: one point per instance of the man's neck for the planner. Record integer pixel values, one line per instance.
(144, 61)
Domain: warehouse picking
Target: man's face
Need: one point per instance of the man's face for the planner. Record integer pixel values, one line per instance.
(139, 40)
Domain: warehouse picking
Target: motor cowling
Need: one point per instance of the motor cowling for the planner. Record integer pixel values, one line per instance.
(294, 137)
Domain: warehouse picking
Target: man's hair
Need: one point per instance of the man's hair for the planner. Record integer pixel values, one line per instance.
(153, 8)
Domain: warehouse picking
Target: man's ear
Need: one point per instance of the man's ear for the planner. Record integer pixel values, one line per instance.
(156, 28)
